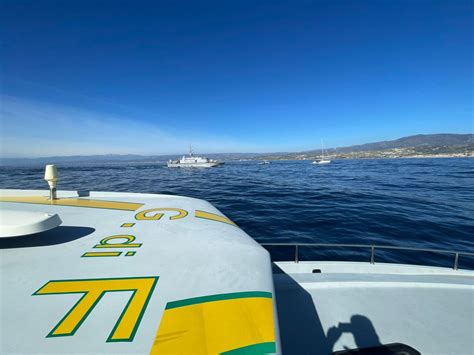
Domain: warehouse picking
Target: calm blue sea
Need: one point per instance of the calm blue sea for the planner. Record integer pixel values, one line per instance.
(426, 203)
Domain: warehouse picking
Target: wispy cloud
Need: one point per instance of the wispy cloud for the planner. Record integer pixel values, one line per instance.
(35, 129)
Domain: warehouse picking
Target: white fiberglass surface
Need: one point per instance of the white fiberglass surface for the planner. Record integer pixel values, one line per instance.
(321, 313)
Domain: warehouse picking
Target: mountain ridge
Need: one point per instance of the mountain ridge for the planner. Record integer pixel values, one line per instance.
(439, 139)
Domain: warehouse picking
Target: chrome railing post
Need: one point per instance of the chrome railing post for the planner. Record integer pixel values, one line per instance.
(456, 261)
(296, 254)
(372, 254)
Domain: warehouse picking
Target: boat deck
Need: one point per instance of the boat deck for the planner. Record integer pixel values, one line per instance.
(138, 273)
(348, 305)
(133, 273)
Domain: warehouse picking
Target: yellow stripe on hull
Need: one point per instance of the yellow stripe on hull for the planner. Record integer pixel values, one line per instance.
(73, 202)
(213, 217)
(216, 326)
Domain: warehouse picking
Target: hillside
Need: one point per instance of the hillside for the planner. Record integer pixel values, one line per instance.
(419, 140)
(417, 146)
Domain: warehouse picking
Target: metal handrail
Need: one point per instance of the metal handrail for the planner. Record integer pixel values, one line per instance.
(372, 247)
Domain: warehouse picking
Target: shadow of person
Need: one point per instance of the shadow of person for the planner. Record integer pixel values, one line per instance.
(302, 332)
(360, 327)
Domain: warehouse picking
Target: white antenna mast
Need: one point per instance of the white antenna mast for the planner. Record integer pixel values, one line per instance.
(51, 176)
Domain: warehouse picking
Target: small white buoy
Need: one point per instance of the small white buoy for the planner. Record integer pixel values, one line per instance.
(51, 175)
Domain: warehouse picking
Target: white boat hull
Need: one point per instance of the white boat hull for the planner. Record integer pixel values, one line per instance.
(322, 162)
(193, 165)
(160, 244)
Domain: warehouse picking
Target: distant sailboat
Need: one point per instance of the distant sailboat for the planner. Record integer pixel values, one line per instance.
(322, 160)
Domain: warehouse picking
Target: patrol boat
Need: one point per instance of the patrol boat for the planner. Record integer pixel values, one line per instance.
(106, 272)
(193, 162)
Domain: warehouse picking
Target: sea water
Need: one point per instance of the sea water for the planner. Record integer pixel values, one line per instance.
(421, 203)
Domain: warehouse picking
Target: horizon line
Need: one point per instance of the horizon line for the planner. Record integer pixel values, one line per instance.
(252, 153)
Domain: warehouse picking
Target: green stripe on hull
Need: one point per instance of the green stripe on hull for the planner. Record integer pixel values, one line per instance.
(256, 349)
(221, 297)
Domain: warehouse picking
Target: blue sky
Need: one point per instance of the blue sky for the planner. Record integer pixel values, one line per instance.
(99, 77)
